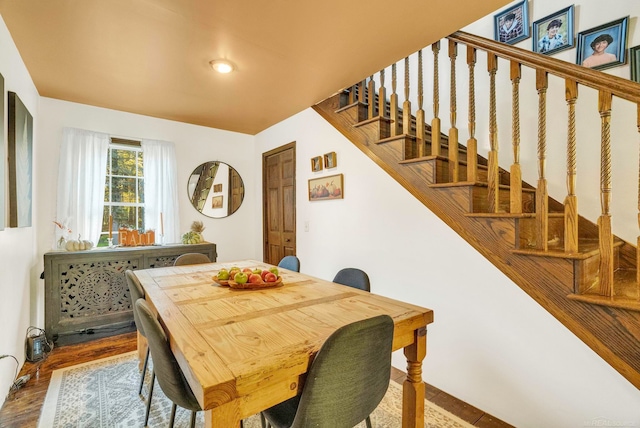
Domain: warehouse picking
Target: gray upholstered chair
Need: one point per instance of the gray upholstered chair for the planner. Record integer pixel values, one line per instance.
(137, 292)
(165, 367)
(191, 259)
(353, 277)
(290, 262)
(347, 379)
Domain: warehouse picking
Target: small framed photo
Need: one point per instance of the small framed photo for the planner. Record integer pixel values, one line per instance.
(634, 54)
(316, 164)
(512, 24)
(603, 46)
(217, 188)
(554, 33)
(330, 187)
(330, 160)
(216, 202)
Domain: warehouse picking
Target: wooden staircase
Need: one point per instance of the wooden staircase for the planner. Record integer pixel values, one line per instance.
(457, 186)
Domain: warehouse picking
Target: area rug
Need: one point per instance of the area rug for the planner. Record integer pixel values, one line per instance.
(104, 393)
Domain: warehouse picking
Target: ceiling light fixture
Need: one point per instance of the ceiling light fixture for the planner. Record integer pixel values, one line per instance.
(222, 66)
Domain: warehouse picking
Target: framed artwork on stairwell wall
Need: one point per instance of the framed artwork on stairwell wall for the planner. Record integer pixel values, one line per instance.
(316, 164)
(603, 46)
(330, 160)
(554, 33)
(329, 187)
(512, 24)
(634, 54)
(20, 162)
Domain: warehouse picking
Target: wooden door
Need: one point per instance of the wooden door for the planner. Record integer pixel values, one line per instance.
(279, 200)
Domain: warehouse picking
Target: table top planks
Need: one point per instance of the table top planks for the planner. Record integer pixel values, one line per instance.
(253, 347)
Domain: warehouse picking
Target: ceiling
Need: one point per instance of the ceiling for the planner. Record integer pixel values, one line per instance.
(151, 57)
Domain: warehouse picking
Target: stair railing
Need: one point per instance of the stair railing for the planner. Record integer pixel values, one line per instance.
(428, 141)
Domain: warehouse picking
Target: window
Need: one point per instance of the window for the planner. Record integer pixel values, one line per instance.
(124, 189)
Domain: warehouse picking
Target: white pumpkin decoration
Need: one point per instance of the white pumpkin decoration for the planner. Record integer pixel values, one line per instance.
(78, 245)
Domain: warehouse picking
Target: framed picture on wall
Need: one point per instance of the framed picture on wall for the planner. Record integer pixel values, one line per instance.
(512, 24)
(634, 54)
(330, 160)
(330, 187)
(20, 162)
(603, 46)
(217, 188)
(316, 164)
(554, 33)
(216, 202)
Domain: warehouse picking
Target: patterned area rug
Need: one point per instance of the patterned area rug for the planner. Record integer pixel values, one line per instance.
(104, 393)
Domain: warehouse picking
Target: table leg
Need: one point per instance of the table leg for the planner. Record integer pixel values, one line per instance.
(222, 416)
(413, 386)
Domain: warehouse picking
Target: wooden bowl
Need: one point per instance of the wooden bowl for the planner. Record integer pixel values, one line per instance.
(224, 282)
(255, 286)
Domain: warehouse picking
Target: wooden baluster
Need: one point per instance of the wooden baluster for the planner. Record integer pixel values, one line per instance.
(371, 94)
(435, 123)
(454, 168)
(515, 183)
(542, 203)
(472, 143)
(393, 104)
(493, 171)
(406, 107)
(604, 221)
(352, 95)
(361, 95)
(382, 96)
(420, 125)
(571, 201)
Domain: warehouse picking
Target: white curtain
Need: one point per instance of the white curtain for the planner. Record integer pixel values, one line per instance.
(161, 210)
(81, 180)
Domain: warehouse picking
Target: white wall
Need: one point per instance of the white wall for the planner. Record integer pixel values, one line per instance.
(18, 255)
(490, 345)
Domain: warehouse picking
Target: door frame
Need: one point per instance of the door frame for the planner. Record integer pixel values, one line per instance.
(265, 228)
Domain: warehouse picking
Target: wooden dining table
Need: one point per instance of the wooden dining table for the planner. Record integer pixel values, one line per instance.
(245, 350)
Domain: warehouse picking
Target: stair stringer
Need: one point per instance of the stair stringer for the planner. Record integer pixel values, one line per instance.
(613, 333)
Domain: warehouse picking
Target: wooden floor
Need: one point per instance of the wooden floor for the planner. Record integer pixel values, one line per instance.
(22, 408)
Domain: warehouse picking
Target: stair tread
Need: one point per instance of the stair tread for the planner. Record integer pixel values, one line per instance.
(511, 215)
(627, 294)
(586, 249)
(475, 183)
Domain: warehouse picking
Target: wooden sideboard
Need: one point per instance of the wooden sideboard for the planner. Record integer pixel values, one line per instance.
(86, 291)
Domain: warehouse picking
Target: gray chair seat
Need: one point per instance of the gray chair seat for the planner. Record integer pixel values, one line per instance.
(347, 379)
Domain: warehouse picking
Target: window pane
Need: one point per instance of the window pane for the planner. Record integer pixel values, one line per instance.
(124, 217)
(141, 218)
(140, 165)
(106, 189)
(123, 189)
(141, 190)
(123, 162)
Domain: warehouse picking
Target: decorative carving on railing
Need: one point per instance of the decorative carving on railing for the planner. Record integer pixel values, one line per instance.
(604, 222)
(420, 123)
(542, 194)
(472, 143)
(453, 131)
(515, 183)
(435, 122)
(493, 170)
(571, 201)
(393, 103)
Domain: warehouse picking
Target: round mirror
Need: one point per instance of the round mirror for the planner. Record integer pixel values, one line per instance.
(215, 189)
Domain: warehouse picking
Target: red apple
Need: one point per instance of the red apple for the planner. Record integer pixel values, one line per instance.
(247, 270)
(254, 278)
(270, 277)
(263, 273)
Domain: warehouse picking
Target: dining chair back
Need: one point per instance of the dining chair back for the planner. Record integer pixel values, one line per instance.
(191, 259)
(347, 379)
(137, 292)
(168, 372)
(290, 262)
(353, 277)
